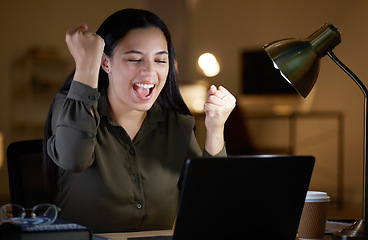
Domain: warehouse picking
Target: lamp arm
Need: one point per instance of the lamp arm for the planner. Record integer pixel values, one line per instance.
(349, 72)
(365, 146)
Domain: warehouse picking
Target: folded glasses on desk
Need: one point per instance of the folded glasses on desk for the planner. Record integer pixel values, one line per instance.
(41, 214)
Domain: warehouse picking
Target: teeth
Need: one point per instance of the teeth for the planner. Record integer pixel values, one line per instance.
(145, 85)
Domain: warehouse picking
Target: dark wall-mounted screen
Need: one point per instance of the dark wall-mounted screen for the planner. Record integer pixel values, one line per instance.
(260, 77)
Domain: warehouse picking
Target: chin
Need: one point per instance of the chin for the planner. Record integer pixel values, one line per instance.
(143, 106)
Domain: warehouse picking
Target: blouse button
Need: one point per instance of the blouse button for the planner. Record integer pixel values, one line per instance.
(91, 97)
(131, 151)
(139, 206)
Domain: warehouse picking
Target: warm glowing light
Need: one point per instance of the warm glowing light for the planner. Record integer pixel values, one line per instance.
(195, 95)
(209, 64)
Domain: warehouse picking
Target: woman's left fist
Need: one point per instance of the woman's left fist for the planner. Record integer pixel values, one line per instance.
(220, 102)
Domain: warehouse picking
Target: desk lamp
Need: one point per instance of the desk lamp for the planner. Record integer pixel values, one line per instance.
(298, 61)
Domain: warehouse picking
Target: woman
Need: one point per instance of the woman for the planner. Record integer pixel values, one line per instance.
(118, 131)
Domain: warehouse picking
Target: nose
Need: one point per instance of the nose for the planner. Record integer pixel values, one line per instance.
(148, 68)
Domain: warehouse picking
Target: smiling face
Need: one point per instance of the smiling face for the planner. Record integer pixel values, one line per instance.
(137, 70)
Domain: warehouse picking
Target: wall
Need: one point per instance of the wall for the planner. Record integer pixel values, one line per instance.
(223, 27)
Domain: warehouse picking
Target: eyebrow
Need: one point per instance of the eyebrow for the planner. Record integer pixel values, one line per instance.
(139, 52)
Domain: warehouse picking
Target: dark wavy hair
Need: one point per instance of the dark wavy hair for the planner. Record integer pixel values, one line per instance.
(113, 30)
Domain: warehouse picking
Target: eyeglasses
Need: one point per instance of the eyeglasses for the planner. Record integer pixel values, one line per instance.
(42, 214)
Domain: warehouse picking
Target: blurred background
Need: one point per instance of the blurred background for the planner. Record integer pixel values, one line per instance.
(268, 119)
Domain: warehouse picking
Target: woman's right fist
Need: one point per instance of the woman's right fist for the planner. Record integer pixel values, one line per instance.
(86, 48)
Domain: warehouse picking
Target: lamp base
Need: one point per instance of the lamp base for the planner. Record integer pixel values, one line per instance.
(359, 230)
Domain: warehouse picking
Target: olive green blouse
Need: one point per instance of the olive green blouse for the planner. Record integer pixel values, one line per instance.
(108, 182)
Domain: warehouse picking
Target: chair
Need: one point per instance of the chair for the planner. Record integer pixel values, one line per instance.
(26, 181)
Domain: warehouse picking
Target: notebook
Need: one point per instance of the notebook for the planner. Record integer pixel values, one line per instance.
(247, 197)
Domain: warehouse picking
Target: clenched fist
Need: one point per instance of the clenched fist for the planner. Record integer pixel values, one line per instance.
(87, 49)
(220, 102)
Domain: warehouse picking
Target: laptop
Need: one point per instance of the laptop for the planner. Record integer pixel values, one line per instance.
(242, 197)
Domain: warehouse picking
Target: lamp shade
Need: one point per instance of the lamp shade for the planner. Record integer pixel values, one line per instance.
(298, 59)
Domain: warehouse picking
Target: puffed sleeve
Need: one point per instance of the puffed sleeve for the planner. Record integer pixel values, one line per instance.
(74, 126)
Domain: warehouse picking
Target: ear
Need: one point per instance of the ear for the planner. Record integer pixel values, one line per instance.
(105, 63)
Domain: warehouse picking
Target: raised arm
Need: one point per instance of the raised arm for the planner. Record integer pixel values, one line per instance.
(75, 119)
(220, 103)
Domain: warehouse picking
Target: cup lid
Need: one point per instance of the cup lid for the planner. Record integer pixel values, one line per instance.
(315, 196)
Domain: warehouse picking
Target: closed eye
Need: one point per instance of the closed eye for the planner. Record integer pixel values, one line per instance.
(160, 61)
(134, 60)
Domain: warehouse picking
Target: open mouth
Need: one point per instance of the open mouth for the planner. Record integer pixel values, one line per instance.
(143, 91)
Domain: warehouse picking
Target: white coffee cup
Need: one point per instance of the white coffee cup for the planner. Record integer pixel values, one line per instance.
(313, 220)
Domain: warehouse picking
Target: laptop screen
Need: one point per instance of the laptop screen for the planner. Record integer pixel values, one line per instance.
(259, 197)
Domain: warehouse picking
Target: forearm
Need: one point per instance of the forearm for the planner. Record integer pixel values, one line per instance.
(195, 151)
(214, 141)
(86, 76)
(220, 102)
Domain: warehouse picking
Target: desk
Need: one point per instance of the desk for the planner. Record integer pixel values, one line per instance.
(125, 236)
